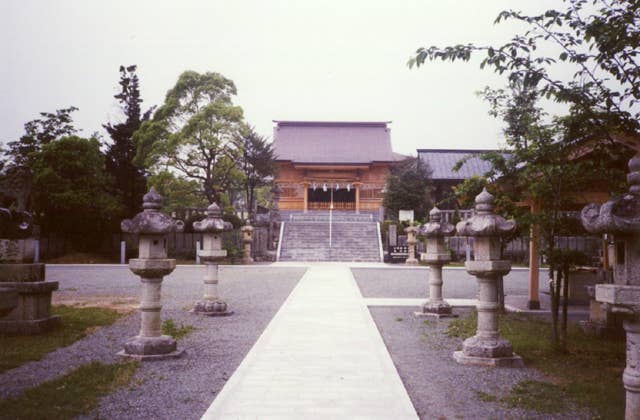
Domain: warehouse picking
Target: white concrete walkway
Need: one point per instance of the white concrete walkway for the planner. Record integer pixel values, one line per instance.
(320, 357)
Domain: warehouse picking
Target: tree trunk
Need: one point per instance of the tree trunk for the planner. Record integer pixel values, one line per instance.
(554, 307)
(565, 304)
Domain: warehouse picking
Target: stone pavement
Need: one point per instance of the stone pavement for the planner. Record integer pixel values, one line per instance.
(320, 357)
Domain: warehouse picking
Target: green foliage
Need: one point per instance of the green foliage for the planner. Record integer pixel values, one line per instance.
(195, 132)
(408, 188)
(257, 165)
(71, 395)
(71, 190)
(169, 327)
(129, 180)
(38, 133)
(600, 47)
(76, 324)
(178, 192)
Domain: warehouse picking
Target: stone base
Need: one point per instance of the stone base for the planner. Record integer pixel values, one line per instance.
(487, 348)
(436, 310)
(30, 326)
(151, 357)
(411, 261)
(8, 300)
(22, 272)
(533, 304)
(17, 250)
(433, 315)
(602, 330)
(211, 308)
(513, 361)
(151, 348)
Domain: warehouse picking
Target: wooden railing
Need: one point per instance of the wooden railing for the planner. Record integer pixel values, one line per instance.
(337, 205)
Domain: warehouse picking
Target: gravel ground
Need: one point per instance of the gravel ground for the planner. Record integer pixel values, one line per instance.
(439, 387)
(172, 389)
(399, 282)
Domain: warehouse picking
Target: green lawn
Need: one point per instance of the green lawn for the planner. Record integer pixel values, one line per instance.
(76, 324)
(71, 395)
(589, 372)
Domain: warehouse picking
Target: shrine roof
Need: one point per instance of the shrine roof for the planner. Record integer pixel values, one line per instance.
(442, 161)
(324, 142)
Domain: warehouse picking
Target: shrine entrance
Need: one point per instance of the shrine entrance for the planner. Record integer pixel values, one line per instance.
(322, 198)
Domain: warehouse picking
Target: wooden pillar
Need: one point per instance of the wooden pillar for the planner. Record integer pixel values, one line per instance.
(534, 263)
(306, 196)
(357, 198)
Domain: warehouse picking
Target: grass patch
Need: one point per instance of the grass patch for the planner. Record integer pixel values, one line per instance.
(483, 396)
(540, 396)
(169, 327)
(429, 322)
(589, 372)
(78, 392)
(76, 324)
(399, 319)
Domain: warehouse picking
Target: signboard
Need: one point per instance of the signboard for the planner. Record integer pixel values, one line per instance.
(405, 216)
(398, 254)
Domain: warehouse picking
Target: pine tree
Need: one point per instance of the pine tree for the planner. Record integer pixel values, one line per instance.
(129, 180)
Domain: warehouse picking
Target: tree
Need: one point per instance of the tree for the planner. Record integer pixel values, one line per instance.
(539, 164)
(408, 188)
(178, 192)
(71, 190)
(39, 133)
(257, 164)
(599, 39)
(195, 133)
(538, 167)
(129, 180)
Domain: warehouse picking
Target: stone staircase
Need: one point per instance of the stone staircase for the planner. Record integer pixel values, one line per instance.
(306, 238)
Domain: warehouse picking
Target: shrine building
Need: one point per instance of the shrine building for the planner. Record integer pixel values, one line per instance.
(332, 165)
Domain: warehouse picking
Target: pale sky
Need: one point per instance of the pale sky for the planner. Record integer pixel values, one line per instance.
(290, 60)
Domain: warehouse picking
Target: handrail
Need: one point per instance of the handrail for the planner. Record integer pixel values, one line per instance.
(280, 241)
(330, 225)
(380, 243)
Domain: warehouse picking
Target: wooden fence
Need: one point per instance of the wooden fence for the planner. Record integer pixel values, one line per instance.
(180, 244)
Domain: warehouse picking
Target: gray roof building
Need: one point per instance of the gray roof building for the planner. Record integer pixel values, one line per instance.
(442, 161)
(331, 142)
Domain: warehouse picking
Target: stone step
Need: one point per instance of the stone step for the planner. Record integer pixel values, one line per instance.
(308, 240)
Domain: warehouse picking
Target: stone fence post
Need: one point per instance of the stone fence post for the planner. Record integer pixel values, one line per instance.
(487, 347)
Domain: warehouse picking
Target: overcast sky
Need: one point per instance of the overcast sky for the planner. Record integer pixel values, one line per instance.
(290, 60)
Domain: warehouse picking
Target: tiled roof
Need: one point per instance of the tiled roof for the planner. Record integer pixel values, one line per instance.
(442, 162)
(332, 142)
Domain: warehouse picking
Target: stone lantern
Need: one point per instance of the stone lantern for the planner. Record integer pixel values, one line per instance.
(487, 347)
(411, 232)
(152, 265)
(621, 218)
(436, 256)
(211, 253)
(247, 240)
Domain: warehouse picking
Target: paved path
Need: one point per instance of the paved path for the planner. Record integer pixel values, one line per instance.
(320, 357)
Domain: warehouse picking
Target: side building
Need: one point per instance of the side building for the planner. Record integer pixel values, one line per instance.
(444, 177)
(332, 165)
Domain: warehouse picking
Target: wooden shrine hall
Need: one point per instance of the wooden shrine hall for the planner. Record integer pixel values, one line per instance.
(332, 165)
